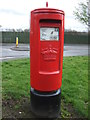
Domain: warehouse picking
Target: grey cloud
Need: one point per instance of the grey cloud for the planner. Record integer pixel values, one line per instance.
(10, 11)
(69, 17)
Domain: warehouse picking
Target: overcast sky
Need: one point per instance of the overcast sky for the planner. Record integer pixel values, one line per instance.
(16, 13)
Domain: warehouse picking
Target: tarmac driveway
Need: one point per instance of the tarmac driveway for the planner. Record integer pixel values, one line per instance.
(9, 51)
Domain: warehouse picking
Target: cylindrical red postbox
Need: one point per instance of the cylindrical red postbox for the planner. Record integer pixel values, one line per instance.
(46, 60)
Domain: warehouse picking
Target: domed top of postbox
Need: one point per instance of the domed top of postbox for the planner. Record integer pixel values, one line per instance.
(48, 10)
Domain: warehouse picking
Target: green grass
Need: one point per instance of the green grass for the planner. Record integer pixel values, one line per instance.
(75, 83)
(16, 81)
(16, 78)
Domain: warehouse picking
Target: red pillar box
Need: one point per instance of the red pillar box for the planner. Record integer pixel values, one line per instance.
(46, 60)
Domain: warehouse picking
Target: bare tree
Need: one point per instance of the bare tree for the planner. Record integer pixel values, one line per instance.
(82, 13)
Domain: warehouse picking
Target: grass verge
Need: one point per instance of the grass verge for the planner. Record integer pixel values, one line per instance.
(75, 83)
(16, 77)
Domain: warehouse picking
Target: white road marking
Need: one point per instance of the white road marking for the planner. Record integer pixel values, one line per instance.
(2, 58)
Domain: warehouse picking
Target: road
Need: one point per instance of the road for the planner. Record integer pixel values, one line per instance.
(8, 51)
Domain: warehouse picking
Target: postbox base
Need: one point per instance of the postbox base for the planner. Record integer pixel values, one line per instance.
(45, 104)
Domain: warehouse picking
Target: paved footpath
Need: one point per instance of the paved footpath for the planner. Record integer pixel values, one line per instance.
(9, 51)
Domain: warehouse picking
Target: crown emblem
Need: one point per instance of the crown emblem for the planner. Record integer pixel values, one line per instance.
(49, 53)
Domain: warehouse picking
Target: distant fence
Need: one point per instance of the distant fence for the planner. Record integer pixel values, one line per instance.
(69, 37)
(75, 38)
(10, 37)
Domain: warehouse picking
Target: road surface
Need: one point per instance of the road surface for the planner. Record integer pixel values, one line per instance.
(8, 51)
